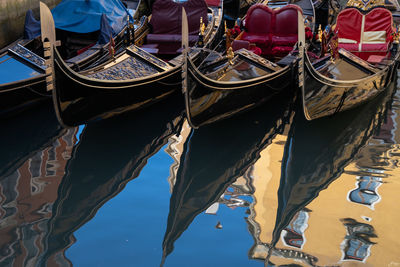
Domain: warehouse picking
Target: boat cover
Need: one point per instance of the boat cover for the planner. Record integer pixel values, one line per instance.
(105, 30)
(166, 22)
(32, 26)
(167, 16)
(82, 16)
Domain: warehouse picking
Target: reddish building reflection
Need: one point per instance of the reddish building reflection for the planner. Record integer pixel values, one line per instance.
(26, 199)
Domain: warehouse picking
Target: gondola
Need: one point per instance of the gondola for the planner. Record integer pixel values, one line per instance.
(140, 76)
(253, 70)
(94, 176)
(315, 155)
(212, 160)
(362, 62)
(84, 44)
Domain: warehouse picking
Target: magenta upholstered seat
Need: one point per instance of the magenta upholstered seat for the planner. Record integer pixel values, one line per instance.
(274, 31)
(166, 23)
(365, 34)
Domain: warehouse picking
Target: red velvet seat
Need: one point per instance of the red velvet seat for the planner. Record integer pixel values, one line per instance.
(256, 38)
(274, 31)
(213, 2)
(289, 40)
(263, 41)
(166, 23)
(365, 35)
(285, 30)
(239, 44)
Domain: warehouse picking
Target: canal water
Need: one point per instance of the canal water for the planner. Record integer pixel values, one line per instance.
(266, 188)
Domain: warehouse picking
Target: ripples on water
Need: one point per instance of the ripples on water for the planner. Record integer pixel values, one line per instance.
(144, 189)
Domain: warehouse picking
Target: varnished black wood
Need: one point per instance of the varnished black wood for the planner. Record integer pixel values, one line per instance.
(19, 95)
(327, 91)
(323, 96)
(106, 91)
(209, 100)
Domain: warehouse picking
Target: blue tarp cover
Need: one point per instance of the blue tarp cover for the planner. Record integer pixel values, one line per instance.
(84, 16)
(32, 26)
(105, 30)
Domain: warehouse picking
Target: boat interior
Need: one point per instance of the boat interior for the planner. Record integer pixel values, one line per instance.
(74, 46)
(165, 37)
(245, 65)
(366, 42)
(161, 50)
(264, 46)
(14, 69)
(272, 31)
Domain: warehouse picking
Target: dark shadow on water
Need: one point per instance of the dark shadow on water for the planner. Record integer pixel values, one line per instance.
(215, 156)
(109, 155)
(21, 136)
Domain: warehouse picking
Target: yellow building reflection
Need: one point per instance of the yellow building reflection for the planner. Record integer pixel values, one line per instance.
(352, 222)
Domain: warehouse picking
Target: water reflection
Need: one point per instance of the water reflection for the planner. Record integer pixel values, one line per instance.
(321, 193)
(24, 135)
(34, 153)
(316, 154)
(97, 173)
(213, 158)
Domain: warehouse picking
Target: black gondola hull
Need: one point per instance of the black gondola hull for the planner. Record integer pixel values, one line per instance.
(209, 100)
(323, 96)
(21, 94)
(135, 79)
(78, 99)
(17, 100)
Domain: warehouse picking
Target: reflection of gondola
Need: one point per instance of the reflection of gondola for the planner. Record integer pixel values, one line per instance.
(317, 152)
(24, 135)
(213, 158)
(97, 173)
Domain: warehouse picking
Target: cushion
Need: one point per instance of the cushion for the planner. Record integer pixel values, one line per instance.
(374, 37)
(375, 47)
(285, 20)
(268, 28)
(280, 51)
(256, 38)
(167, 16)
(213, 2)
(259, 19)
(348, 24)
(284, 40)
(378, 20)
(256, 50)
(366, 55)
(239, 44)
(346, 41)
(349, 47)
(375, 59)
